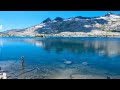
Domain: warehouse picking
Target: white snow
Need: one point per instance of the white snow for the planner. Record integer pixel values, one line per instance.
(77, 19)
(40, 25)
(111, 17)
(69, 19)
(87, 26)
(53, 21)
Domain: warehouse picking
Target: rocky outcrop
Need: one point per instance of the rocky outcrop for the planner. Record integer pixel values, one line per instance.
(47, 20)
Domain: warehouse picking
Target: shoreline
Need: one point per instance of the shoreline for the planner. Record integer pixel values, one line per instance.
(94, 33)
(63, 36)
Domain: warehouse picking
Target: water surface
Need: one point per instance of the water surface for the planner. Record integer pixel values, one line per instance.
(91, 57)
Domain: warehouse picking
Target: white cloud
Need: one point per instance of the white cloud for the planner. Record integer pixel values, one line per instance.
(1, 27)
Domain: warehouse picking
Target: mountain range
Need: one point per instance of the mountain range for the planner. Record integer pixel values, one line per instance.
(109, 22)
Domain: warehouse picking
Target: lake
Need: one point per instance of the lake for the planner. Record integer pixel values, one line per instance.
(60, 57)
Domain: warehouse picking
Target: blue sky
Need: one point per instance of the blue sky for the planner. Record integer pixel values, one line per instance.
(23, 19)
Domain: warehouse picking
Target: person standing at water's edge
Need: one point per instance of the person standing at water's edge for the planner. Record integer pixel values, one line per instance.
(22, 73)
(22, 58)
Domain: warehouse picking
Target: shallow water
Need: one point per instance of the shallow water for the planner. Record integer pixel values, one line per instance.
(89, 57)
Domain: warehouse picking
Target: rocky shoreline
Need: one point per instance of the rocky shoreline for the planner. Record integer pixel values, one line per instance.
(82, 34)
(94, 33)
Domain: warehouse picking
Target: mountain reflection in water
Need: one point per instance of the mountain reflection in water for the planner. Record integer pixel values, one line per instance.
(79, 45)
(87, 54)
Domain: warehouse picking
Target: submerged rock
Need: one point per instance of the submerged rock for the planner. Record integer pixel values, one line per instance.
(67, 62)
(84, 63)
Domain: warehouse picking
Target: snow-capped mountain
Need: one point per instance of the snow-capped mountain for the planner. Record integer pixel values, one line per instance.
(109, 22)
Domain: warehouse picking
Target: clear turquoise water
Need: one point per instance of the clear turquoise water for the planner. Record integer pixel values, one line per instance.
(91, 57)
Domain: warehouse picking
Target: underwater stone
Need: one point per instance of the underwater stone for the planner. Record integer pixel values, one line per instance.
(68, 62)
(85, 63)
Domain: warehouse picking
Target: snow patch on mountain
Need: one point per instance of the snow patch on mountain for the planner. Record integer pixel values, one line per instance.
(87, 26)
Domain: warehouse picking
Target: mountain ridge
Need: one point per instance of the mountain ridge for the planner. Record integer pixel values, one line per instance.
(108, 22)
